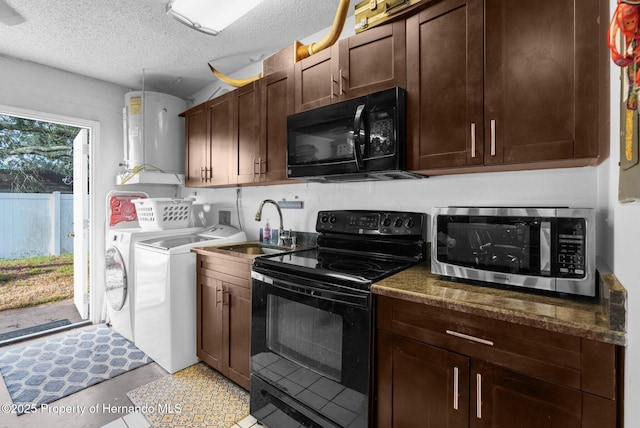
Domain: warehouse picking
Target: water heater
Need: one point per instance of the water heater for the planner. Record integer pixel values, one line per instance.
(153, 131)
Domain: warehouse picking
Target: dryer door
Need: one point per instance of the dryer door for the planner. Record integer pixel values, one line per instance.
(116, 279)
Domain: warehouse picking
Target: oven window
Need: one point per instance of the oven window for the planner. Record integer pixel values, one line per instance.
(309, 336)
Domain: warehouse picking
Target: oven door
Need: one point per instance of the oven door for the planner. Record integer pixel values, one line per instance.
(310, 352)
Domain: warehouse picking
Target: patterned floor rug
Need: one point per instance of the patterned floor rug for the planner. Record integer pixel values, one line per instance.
(197, 396)
(44, 370)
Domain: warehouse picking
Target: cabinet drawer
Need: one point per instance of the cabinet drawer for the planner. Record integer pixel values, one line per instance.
(539, 353)
(229, 269)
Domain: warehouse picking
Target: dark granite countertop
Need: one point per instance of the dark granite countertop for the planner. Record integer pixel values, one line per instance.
(602, 318)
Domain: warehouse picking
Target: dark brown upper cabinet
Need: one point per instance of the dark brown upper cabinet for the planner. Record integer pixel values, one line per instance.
(510, 85)
(196, 146)
(358, 65)
(276, 103)
(245, 151)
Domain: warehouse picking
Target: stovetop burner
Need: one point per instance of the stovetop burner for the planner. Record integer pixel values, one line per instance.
(355, 248)
(356, 267)
(361, 270)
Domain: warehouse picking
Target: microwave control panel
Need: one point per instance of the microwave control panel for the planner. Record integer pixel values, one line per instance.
(571, 247)
(386, 223)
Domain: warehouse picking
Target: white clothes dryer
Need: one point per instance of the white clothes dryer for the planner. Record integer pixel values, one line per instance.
(120, 278)
(165, 327)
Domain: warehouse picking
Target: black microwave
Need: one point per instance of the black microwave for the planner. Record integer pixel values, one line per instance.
(549, 249)
(355, 140)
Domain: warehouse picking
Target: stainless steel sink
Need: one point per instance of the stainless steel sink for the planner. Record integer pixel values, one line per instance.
(255, 248)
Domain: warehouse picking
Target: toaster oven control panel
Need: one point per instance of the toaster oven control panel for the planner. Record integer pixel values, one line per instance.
(571, 247)
(388, 223)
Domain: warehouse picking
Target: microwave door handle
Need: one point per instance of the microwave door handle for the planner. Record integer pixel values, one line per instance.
(357, 123)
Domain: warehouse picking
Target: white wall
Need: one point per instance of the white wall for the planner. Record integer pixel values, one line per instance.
(33, 87)
(574, 187)
(625, 237)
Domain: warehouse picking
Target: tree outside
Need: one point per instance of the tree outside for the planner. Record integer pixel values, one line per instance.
(35, 156)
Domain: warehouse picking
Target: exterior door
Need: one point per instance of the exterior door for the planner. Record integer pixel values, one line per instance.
(81, 222)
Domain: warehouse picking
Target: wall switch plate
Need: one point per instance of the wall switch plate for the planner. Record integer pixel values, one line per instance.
(290, 204)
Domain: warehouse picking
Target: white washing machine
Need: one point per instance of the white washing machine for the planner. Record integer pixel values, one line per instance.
(165, 327)
(120, 280)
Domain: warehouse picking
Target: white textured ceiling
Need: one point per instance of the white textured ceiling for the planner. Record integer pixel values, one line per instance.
(115, 40)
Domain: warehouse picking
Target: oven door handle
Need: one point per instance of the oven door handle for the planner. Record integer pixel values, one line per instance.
(354, 299)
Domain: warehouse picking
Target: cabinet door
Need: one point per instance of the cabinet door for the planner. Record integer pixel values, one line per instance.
(541, 94)
(420, 385)
(246, 149)
(501, 398)
(237, 335)
(223, 123)
(444, 86)
(209, 313)
(372, 61)
(316, 80)
(276, 99)
(196, 146)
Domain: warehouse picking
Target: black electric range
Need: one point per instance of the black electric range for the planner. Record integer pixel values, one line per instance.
(312, 318)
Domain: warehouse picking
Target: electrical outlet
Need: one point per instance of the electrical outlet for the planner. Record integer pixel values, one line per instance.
(290, 204)
(224, 217)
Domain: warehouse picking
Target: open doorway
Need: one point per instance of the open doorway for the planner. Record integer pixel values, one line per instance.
(44, 193)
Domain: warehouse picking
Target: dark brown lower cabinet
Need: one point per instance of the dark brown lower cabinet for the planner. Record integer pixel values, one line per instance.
(430, 376)
(224, 315)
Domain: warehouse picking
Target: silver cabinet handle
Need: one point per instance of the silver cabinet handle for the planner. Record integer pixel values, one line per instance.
(473, 140)
(493, 137)
(202, 170)
(456, 386)
(478, 396)
(259, 163)
(218, 301)
(333, 79)
(472, 338)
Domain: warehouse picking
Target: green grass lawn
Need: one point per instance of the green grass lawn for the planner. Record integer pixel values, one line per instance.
(37, 280)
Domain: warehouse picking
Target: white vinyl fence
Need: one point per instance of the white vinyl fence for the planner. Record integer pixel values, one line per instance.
(35, 224)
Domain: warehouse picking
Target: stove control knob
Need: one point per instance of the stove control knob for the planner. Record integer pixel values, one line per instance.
(332, 219)
(410, 223)
(386, 222)
(324, 218)
(398, 222)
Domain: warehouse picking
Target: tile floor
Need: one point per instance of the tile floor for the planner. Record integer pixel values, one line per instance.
(136, 420)
(103, 405)
(92, 407)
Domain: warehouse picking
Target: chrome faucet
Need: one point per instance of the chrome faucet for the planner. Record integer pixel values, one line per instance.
(281, 229)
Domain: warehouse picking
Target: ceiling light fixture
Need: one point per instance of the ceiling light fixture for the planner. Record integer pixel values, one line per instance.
(207, 16)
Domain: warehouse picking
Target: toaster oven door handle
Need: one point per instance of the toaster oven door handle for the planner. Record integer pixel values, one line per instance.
(357, 124)
(545, 248)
